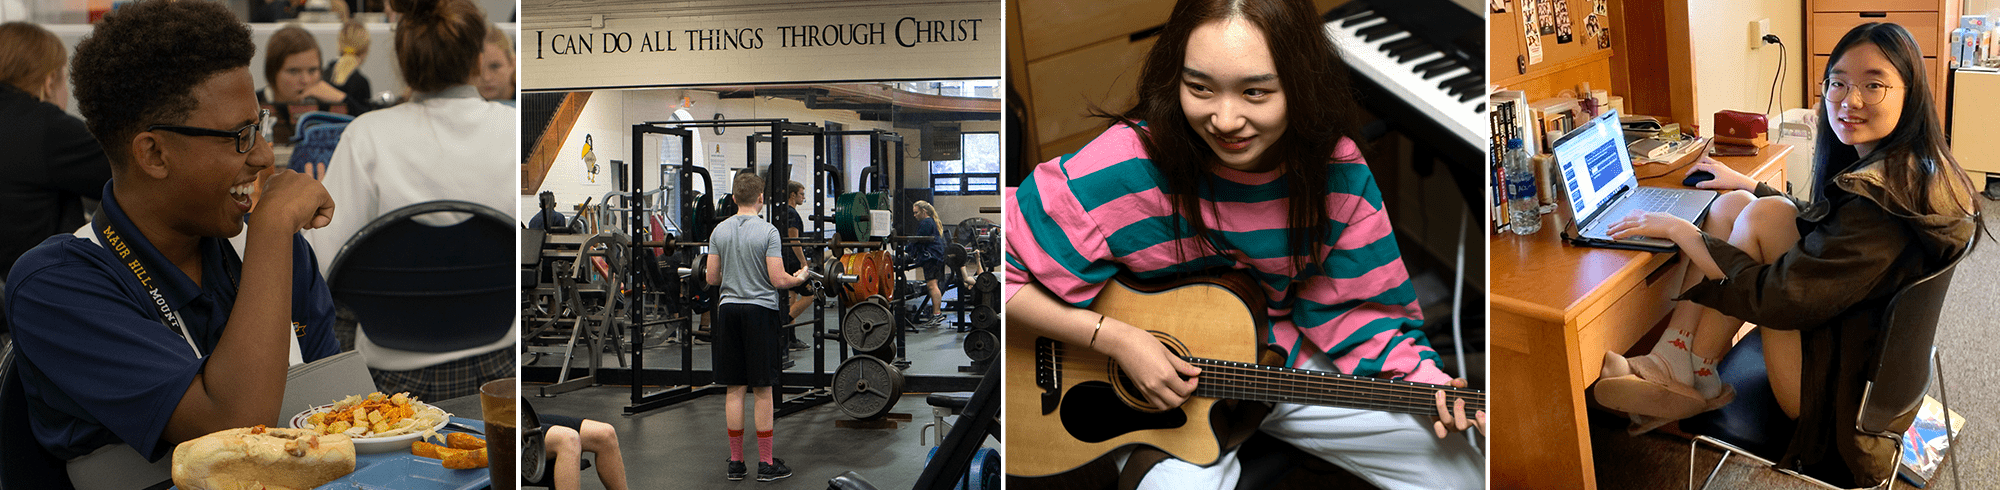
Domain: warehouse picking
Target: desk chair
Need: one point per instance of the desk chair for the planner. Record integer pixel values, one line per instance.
(1753, 425)
(427, 288)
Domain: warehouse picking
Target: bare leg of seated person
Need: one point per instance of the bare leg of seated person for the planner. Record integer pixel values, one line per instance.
(601, 439)
(1680, 370)
(564, 443)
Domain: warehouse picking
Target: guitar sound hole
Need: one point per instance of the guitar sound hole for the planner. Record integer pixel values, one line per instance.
(1093, 412)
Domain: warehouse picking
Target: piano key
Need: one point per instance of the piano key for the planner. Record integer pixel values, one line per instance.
(1378, 31)
(1449, 82)
(1435, 64)
(1405, 43)
(1410, 55)
(1445, 73)
(1364, 16)
(1409, 69)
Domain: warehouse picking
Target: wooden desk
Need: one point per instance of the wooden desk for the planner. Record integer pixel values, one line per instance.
(1556, 310)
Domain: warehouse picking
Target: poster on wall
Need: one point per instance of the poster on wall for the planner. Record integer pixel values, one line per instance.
(1563, 32)
(1528, 28)
(593, 172)
(1545, 15)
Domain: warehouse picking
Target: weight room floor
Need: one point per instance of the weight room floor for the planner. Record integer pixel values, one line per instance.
(684, 446)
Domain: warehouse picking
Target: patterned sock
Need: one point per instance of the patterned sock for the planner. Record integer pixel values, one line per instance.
(764, 446)
(1673, 351)
(1706, 381)
(735, 444)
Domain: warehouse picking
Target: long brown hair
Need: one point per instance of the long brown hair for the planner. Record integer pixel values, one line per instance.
(438, 42)
(1319, 113)
(29, 54)
(1916, 159)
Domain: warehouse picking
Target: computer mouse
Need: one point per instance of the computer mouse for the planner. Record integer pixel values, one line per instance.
(1697, 177)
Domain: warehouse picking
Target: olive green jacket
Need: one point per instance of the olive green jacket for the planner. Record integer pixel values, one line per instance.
(1856, 249)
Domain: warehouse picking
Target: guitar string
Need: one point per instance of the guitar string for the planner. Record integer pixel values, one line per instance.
(1331, 387)
(1267, 372)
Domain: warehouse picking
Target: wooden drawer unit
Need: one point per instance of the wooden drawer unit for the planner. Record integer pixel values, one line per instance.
(1878, 5)
(1929, 21)
(1829, 26)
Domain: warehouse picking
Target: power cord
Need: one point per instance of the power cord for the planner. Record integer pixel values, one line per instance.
(1773, 39)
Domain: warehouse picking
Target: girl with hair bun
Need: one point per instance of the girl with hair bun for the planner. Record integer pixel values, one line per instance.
(444, 143)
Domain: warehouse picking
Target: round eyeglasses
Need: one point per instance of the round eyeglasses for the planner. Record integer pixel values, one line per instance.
(1872, 92)
(246, 136)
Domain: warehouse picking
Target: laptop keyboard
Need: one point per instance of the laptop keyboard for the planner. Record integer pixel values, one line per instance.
(1651, 199)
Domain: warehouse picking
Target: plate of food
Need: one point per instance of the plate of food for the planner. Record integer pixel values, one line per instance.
(376, 422)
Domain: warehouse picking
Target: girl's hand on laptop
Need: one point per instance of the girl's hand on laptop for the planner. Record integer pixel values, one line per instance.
(1656, 225)
(1725, 178)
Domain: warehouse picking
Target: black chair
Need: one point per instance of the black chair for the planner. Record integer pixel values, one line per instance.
(1754, 425)
(430, 288)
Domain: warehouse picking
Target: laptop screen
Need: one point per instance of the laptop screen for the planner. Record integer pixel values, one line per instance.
(1594, 164)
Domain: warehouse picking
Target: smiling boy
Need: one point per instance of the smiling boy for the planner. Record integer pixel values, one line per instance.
(146, 328)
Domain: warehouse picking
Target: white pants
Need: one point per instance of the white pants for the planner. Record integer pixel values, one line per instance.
(1390, 450)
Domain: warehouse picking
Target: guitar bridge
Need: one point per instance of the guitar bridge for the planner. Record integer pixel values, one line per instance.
(1048, 373)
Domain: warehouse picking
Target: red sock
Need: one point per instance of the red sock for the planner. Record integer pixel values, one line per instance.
(735, 444)
(764, 446)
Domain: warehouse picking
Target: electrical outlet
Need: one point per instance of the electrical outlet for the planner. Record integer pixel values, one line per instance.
(1758, 29)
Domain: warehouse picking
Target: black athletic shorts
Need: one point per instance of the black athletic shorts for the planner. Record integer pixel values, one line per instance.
(746, 345)
(933, 270)
(552, 420)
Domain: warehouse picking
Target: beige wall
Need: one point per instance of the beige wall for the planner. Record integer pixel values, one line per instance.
(1729, 75)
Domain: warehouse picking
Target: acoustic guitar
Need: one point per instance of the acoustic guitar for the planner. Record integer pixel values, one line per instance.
(1068, 405)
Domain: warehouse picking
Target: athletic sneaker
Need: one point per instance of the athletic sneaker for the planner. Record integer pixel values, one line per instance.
(773, 471)
(797, 345)
(737, 471)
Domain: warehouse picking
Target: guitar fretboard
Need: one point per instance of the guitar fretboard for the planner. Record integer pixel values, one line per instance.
(1243, 381)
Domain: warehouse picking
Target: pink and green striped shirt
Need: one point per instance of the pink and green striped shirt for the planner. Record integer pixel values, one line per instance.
(1076, 221)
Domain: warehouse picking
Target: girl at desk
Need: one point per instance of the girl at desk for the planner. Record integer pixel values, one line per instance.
(1889, 206)
(1239, 155)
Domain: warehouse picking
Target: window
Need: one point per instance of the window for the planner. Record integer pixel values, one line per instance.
(977, 172)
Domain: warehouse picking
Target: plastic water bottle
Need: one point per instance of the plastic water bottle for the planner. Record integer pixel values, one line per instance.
(1524, 214)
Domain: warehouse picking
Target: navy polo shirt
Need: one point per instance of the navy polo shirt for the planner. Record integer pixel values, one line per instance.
(98, 366)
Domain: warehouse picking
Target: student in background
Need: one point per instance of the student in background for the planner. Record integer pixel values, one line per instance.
(1890, 205)
(791, 225)
(496, 67)
(930, 256)
(292, 72)
(344, 72)
(51, 163)
(445, 143)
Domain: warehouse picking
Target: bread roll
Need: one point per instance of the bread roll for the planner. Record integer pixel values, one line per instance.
(261, 458)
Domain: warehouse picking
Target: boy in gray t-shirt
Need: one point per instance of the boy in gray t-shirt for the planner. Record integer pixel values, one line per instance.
(745, 259)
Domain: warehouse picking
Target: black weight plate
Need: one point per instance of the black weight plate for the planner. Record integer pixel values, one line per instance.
(982, 345)
(867, 326)
(866, 387)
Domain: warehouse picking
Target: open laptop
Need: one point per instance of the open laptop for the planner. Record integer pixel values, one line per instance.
(1600, 187)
